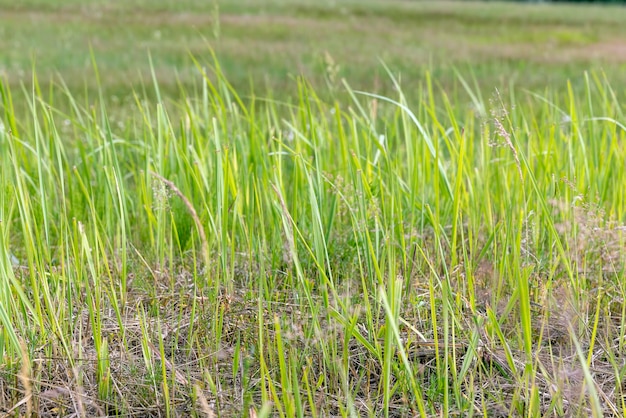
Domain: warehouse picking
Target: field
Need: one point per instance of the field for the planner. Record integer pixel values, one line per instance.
(312, 208)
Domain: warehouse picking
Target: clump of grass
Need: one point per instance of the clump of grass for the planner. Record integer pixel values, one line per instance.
(369, 256)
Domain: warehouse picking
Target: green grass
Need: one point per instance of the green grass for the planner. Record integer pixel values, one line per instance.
(348, 243)
(271, 42)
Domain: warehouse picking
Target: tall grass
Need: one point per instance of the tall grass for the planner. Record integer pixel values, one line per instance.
(365, 255)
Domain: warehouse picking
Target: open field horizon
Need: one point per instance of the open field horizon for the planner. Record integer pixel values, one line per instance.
(270, 43)
(298, 208)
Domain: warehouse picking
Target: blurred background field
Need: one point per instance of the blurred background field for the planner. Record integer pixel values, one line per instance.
(268, 43)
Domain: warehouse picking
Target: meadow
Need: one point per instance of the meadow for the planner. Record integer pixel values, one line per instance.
(303, 208)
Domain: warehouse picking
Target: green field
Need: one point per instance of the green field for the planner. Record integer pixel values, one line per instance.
(312, 208)
(276, 40)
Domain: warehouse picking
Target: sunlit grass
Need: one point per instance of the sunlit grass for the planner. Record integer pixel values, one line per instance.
(369, 255)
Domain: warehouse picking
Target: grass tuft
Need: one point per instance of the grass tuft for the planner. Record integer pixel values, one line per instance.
(363, 255)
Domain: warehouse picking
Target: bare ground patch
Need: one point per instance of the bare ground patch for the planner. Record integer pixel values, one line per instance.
(608, 51)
